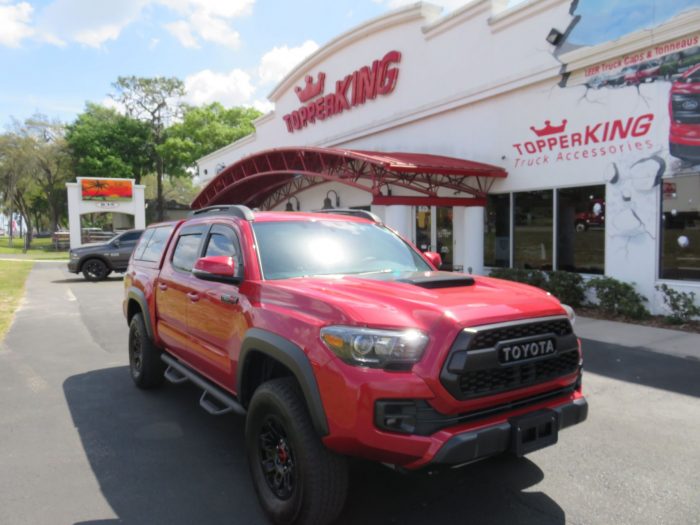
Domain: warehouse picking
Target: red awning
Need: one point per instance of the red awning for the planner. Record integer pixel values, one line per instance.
(267, 178)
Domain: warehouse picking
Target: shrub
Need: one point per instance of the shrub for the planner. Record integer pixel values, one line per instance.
(618, 298)
(568, 287)
(520, 275)
(681, 304)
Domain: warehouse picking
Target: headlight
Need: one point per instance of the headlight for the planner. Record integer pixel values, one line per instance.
(375, 348)
(569, 313)
(74, 255)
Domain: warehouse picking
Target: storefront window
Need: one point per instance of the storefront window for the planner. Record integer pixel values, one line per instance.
(532, 246)
(497, 231)
(680, 228)
(581, 229)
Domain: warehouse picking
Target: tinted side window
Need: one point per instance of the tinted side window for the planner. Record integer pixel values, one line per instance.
(130, 236)
(186, 251)
(223, 241)
(156, 244)
(220, 244)
(143, 243)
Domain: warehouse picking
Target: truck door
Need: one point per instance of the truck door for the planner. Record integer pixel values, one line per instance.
(216, 321)
(176, 288)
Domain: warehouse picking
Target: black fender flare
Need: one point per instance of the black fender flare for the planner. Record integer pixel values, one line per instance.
(134, 294)
(291, 356)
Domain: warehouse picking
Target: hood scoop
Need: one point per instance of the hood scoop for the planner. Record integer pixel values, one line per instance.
(433, 280)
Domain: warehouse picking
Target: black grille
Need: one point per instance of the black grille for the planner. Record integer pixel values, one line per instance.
(489, 338)
(685, 108)
(495, 380)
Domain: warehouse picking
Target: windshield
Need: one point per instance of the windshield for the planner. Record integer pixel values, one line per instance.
(304, 248)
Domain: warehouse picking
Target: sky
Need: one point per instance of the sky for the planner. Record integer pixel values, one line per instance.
(55, 55)
(605, 20)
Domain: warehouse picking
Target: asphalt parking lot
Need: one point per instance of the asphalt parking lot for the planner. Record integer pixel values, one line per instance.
(80, 444)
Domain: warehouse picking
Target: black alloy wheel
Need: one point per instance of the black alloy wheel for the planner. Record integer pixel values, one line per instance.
(277, 458)
(135, 353)
(95, 270)
(297, 479)
(145, 364)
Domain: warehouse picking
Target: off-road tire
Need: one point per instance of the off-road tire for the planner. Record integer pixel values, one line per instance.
(320, 478)
(145, 365)
(95, 270)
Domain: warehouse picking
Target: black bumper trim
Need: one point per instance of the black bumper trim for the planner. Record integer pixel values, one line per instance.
(684, 151)
(496, 439)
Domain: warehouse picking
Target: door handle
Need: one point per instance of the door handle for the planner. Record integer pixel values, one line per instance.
(194, 297)
(163, 286)
(229, 299)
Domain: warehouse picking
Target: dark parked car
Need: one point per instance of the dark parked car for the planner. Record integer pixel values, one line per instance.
(98, 260)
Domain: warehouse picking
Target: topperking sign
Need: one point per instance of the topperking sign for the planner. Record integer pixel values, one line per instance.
(366, 83)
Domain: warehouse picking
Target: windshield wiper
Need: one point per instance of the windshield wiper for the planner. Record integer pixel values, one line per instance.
(385, 270)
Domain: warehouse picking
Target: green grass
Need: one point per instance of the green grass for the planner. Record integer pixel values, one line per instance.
(41, 249)
(13, 274)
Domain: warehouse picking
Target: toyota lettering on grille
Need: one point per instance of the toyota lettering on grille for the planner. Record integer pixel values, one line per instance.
(511, 352)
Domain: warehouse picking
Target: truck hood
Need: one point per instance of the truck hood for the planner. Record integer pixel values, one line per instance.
(92, 247)
(410, 299)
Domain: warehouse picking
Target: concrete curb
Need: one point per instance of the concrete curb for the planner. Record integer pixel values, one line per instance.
(34, 260)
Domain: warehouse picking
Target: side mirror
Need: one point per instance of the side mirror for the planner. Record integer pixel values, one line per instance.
(116, 243)
(218, 268)
(435, 259)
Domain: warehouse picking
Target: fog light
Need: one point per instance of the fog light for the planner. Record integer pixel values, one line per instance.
(396, 416)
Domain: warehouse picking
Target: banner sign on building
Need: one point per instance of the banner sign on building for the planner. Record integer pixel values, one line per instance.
(366, 83)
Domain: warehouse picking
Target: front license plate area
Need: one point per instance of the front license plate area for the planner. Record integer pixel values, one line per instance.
(534, 431)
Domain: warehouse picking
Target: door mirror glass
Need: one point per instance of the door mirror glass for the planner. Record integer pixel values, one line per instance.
(434, 258)
(116, 243)
(219, 268)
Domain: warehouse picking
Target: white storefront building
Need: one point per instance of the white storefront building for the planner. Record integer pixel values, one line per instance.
(596, 181)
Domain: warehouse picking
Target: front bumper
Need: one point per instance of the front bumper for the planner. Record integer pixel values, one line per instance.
(496, 439)
(74, 266)
(448, 439)
(406, 418)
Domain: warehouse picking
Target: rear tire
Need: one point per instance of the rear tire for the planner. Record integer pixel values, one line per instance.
(95, 270)
(145, 364)
(296, 478)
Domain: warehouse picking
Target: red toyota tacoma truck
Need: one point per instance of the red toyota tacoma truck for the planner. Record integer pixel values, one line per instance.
(336, 337)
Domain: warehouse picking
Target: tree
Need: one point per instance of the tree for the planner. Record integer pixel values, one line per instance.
(34, 168)
(157, 102)
(16, 167)
(105, 143)
(177, 189)
(203, 130)
(52, 167)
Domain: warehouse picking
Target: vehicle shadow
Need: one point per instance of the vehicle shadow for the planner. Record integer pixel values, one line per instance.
(160, 459)
(642, 366)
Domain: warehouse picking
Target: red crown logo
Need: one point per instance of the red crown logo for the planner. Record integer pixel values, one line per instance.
(310, 89)
(548, 129)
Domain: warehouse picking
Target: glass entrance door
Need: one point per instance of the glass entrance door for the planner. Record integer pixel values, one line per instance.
(424, 222)
(434, 232)
(444, 241)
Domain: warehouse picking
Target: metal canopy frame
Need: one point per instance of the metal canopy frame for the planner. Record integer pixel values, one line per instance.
(268, 178)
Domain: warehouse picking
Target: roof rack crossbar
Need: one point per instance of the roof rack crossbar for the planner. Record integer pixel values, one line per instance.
(353, 213)
(237, 210)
